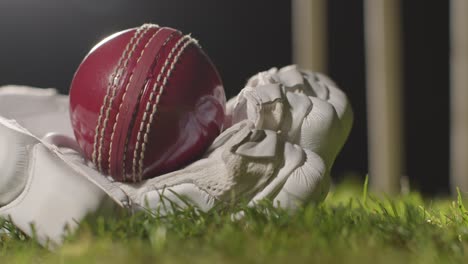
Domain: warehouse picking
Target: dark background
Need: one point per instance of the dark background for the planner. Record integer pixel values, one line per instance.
(42, 43)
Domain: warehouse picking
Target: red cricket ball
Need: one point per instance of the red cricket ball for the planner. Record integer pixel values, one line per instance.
(146, 101)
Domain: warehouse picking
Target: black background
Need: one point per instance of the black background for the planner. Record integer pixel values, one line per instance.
(42, 43)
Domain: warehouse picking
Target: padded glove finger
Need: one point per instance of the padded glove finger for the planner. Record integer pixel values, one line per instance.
(307, 107)
(38, 188)
(40, 111)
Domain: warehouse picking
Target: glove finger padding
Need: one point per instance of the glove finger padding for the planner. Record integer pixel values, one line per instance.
(309, 110)
(39, 192)
(309, 182)
(40, 111)
(308, 107)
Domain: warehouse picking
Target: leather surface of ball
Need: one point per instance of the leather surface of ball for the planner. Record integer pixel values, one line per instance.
(144, 102)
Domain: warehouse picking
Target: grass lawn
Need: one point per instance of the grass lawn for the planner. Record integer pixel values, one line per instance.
(351, 226)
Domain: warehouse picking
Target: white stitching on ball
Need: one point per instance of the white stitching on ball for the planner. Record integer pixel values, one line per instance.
(98, 137)
(124, 94)
(161, 90)
(148, 104)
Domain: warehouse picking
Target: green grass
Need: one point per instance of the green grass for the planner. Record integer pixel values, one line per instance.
(351, 226)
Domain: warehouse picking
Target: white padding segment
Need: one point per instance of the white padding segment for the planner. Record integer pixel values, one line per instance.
(40, 111)
(54, 197)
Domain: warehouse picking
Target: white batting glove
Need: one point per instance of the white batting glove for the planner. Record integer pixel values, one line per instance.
(284, 134)
(36, 186)
(242, 163)
(312, 111)
(307, 108)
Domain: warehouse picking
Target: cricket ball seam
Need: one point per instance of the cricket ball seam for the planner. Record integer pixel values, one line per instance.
(136, 44)
(148, 104)
(155, 105)
(104, 104)
(144, 115)
(123, 97)
(136, 40)
(124, 158)
(136, 112)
